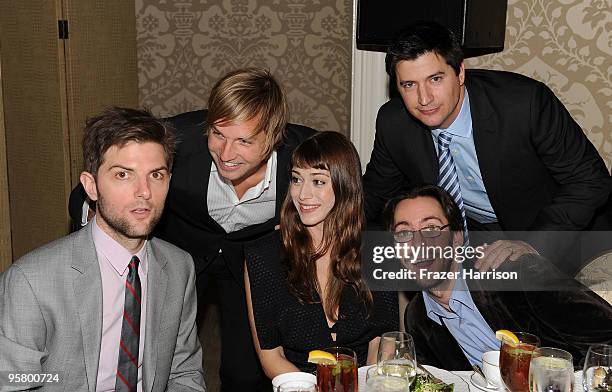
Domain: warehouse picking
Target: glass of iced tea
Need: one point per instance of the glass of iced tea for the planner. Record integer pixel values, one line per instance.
(340, 376)
(514, 361)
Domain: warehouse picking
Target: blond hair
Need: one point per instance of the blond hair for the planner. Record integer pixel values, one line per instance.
(246, 94)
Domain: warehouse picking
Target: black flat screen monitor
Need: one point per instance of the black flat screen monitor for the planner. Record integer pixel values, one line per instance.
(480, 24)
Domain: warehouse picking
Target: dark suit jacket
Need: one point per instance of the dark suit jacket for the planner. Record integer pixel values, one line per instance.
(186, 222)
(571, 319)
(539, 169)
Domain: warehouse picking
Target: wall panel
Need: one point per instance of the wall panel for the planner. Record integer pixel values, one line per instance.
(100, 64)
(36, 140)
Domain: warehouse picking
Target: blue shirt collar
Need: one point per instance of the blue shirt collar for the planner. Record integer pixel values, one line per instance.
(460, 296)
(462, 126)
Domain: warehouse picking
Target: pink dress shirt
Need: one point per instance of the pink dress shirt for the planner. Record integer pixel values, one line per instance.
(114, 259)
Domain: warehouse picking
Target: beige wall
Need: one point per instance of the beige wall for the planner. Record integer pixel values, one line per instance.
(183, 48)
(566, 44)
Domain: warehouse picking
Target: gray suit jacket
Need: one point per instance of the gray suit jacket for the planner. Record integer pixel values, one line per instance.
(51, 316)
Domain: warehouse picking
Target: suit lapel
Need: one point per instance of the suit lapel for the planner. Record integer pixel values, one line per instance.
(413, 146)
(157, 281)
(87, 285)
(486, 140)
(194, 181)
(282, 175)
(438, 345)
(200, 174)
(429, 166)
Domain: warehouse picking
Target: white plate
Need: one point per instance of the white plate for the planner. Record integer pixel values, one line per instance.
(449, 378)
(481, 383)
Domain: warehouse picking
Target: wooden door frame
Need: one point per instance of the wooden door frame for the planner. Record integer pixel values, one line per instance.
(6, 249)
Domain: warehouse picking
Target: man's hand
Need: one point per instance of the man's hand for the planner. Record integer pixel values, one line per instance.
(500, 251)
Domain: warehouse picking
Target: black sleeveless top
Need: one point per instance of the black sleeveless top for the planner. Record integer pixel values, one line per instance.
(281, 320)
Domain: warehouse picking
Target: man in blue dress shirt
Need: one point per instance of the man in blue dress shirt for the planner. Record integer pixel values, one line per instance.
(453, 320)
(501, 143)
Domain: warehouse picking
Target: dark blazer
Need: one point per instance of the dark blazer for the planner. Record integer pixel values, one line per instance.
(539, 169)
(571, 319)
(186, 222)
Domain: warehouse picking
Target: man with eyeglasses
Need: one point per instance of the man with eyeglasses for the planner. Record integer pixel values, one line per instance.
(453, 320)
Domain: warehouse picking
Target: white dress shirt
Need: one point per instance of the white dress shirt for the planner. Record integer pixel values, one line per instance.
(257, 205)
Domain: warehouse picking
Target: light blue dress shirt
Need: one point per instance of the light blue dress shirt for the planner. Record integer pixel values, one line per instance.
(463, 150)
(464, 322)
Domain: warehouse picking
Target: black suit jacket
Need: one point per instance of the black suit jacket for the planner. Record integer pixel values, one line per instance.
(539, 169)
(571, 319)
(186, 222)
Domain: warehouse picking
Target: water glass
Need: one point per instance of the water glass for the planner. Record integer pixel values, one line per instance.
(597, 372)
(297, 386)
(551, 370)
(378, 380)
(396, 355)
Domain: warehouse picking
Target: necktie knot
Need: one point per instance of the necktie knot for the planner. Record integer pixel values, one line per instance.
(133, 266)
(444, 140)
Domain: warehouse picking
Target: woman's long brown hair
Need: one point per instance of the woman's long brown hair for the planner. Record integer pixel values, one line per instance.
(341, 229)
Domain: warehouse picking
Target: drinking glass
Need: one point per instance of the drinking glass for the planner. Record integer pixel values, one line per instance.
(341, 376)
(551, 370)
(378, 380)
(297, 386)
(597, 372)
(514, 360)
(396, 355)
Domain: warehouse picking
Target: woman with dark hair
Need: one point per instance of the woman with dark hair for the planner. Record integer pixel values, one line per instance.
(303, 283)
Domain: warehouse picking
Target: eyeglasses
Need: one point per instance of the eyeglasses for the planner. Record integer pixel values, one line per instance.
(426, 232)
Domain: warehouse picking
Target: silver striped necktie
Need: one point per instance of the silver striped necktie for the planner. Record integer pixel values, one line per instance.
(448, 178)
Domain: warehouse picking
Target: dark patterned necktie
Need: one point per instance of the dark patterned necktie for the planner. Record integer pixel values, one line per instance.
(448, 178)
(127, 366)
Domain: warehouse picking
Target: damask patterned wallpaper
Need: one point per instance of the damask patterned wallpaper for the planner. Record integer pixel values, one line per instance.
(185, 46)
(566, 44)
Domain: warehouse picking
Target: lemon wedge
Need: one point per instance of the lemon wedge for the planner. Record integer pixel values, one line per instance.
(321, 357)
(506, 336)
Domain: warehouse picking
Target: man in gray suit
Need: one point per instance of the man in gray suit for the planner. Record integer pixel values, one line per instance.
(107, 308)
